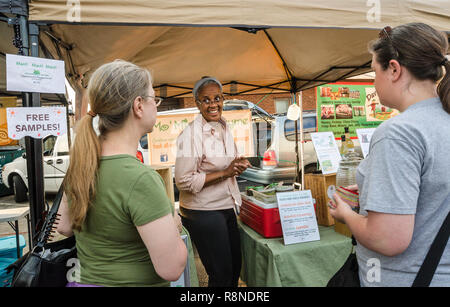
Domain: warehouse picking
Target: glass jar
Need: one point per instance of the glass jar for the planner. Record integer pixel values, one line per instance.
(346, 174)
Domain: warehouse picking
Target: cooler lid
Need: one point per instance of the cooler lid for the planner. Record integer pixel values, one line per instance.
(258, 202)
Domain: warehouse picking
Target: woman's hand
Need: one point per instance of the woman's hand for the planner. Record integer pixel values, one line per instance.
(353, 187)
(237, 167)
(339, 209)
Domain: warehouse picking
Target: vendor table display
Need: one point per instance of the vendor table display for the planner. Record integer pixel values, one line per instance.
(267, 262)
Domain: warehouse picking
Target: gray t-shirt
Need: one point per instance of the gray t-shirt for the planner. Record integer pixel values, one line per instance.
(408, 172)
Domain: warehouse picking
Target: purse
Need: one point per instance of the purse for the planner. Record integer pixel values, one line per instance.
(347, 276)
(46, 264)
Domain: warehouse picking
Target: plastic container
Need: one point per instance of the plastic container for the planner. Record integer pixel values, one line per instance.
(5, 278)
(284, 188)
(266, 196)
(8, 247)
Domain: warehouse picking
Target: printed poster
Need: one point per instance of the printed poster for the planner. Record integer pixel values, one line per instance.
(33, 74)
(6, 102)
(349, 104)
(327, 151)
(298, 218)
(163, 139)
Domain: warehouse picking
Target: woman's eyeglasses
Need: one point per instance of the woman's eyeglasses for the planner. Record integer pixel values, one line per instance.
(157, 100)
(386, 33)
(217, 99)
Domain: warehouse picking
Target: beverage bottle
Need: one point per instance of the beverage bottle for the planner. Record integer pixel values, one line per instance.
(344, 150)
(348, 141)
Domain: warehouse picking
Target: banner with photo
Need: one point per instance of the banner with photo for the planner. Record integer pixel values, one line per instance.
(163, 140)
(349, 104)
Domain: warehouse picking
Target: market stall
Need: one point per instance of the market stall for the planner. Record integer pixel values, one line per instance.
(251, 46)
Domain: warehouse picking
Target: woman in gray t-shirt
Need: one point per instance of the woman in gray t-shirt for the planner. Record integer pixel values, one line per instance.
(404, 182)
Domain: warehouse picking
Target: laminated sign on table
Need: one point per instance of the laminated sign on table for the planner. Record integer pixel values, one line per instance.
(298, 219)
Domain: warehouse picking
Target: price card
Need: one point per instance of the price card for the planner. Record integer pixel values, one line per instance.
(298, 219)
(364, 136)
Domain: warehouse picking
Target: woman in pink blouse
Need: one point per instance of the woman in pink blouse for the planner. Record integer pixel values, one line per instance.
(205, 169)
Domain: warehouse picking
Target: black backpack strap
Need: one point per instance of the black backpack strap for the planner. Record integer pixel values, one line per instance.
(426, 272)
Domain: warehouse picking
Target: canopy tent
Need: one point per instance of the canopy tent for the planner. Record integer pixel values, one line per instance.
(252, 46)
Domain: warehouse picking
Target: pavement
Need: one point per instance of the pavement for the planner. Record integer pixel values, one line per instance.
(8, 202)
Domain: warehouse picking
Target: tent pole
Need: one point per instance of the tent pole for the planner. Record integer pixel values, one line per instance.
(297, 165)
(34, 148)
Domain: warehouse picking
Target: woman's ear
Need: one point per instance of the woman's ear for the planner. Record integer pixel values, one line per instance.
(396, 70)
(138, 107)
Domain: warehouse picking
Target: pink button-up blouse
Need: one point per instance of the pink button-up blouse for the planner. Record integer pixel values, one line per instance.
(204, 148)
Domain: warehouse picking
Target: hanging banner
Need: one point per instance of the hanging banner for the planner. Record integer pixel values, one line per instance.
(36, 122)
(162, 142)
(349, 104)
(32, 74)
(6, 102)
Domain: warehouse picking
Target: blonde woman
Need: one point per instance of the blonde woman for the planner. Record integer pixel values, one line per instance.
(123, 221)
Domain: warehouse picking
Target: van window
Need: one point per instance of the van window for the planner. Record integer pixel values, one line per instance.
(48, 144)
(309, 125)
(62, 146)
(262, 131)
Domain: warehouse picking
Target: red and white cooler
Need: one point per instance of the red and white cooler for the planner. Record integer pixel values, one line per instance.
(262, 217)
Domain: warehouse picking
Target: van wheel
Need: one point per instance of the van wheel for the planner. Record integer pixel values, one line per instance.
(20, 190)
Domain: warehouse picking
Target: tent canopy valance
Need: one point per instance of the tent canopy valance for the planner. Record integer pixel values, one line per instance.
(253, 46)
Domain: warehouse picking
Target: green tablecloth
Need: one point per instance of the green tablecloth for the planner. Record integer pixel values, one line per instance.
(270, 263)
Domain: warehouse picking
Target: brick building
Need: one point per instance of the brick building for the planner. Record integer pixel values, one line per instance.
(273, 103)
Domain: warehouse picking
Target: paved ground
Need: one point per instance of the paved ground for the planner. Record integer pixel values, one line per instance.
(7, 202)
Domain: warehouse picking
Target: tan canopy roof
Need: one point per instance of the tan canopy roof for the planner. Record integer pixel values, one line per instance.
(292, 45)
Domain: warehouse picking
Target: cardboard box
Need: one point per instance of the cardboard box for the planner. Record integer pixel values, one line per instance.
(318, 184)
(165, 171)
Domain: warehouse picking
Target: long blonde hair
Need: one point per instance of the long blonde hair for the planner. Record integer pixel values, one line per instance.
(112, 89)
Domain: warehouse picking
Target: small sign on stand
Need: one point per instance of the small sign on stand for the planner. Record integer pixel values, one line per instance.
(327, 151)
(36, 122)
(364, 136)
(298, 219)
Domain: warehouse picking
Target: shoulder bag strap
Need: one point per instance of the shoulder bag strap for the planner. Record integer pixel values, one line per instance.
(426, 272)
(50, 218)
